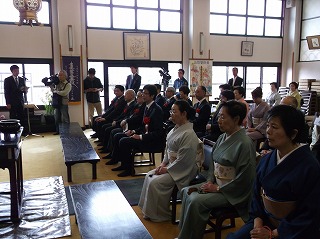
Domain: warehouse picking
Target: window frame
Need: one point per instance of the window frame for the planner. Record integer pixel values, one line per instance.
(135, 8)
(246, 16)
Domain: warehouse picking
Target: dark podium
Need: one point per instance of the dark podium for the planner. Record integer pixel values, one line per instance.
(10, 158)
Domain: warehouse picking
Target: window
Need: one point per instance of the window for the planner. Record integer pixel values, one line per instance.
(33, 73)
(246, 17)
(164, 15)
(253, 76)
(8, 13)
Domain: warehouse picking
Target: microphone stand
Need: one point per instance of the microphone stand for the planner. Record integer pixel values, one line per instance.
(28, 114)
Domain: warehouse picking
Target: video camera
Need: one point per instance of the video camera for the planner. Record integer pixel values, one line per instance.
(47, 81)
(164, 73)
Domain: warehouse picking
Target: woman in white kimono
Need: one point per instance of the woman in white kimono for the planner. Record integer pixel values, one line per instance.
(230, 177)
(257, 117)
(177, 168)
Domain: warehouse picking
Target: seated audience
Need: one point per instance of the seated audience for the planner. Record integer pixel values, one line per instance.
(184, 94)
(177, 168)
(230, 177)
(148, 136)
(114, 110)
(106, 129)
(273, 98)
(257, 116)
(202, 111)
(295, 93)
(286, 193)
(166, 107)
(132, 122)
(239, 95)
(213, 130)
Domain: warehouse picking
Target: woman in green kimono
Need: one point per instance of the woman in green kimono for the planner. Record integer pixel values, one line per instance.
(230, 179)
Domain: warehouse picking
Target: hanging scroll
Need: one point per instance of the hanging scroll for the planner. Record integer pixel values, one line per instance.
(201, 74)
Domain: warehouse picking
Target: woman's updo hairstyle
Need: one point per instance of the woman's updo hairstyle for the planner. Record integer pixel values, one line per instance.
(184, 106)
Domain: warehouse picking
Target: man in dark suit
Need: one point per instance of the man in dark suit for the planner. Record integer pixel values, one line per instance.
(202, 111)
(114, 110)
(166, 107)
(14, 92)
(148, 136)
(236, 81)
(160, 100)
(134, 80)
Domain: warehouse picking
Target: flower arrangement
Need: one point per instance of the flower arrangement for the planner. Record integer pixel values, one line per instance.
(47, 101)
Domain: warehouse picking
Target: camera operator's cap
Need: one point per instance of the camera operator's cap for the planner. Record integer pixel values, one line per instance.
(91, 71)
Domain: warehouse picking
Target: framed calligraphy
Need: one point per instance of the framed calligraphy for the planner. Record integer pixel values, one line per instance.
(136, 46)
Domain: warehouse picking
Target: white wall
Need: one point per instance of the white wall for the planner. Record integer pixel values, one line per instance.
(25, 41)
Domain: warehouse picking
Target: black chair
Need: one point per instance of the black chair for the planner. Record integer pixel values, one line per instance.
(218, 214)
(147, 162)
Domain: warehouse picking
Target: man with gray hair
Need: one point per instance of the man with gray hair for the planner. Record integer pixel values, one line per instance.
(60, 100)
(166, 107)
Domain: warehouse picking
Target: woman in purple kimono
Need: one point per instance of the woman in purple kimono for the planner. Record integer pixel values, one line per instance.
(286, 194)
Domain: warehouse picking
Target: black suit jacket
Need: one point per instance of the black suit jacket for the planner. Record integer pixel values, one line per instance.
(155, 127)
(118, 107)
(167, 107)
(202, 114)
(135, 85)
(13, 93)
(160, 100)
(127, 111)
(134, 121)
(238, 82)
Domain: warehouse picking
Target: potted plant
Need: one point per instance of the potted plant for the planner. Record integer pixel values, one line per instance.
(49, 110)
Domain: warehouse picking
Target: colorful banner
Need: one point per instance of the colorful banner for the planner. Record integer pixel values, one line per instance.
(201, 74)
(71, 64)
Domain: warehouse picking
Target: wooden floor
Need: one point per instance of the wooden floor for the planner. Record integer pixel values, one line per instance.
(42, 157)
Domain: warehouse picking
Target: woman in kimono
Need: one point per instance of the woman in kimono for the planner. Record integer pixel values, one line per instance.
(286, 194)
(177, 168)
(230, 177)
(274, 97)
(294, 92)
(257, 116)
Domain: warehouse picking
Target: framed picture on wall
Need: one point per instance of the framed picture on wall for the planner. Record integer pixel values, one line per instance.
(246, 48)
(136, 46)
(313, 42)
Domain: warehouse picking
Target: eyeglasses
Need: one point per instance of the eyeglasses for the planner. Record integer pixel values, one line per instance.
(172, 112)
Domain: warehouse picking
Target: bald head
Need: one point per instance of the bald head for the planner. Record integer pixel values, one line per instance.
(289, 100)
(129, 95)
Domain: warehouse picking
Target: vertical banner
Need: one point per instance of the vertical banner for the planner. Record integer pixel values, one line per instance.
(71, 64)
(201, 74)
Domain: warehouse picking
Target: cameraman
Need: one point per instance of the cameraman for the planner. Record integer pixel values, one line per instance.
(62, 89)
(180, 81)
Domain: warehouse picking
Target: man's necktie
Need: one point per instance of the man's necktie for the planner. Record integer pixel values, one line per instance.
(16, 79)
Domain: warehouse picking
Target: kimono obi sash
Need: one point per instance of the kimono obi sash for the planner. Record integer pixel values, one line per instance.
(172, 156)
(277, 210)
(256, 121)
(223, 174)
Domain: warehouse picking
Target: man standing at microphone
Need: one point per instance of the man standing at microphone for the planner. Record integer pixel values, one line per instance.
(14, 90)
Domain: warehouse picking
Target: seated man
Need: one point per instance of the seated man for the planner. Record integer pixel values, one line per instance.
(132, 122)
(148, 136)
(202, 111)
(166, 107)
(114, 110)
(129, 97)
(160, 100)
